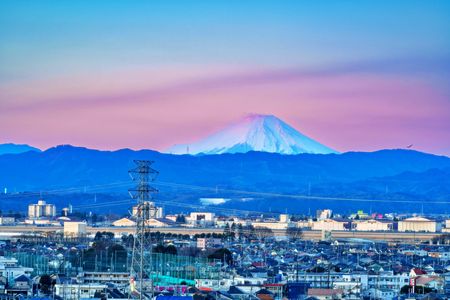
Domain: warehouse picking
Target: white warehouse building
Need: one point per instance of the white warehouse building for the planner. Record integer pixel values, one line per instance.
(417, 224)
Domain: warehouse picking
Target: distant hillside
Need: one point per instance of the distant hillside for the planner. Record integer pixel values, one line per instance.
(412, 192)
(386, 174)
(11, 148)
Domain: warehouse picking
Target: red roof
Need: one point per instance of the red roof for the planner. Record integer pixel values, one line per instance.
(418, 271)
(258, 264)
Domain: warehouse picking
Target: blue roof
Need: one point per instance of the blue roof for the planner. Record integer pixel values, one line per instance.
(22, 278)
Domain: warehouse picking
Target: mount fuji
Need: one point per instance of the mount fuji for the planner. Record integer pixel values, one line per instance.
(255, 132)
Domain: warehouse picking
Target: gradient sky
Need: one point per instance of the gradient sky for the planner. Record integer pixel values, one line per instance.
(354, 75)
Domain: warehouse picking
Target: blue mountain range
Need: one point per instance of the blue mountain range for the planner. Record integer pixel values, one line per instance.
(254, 180)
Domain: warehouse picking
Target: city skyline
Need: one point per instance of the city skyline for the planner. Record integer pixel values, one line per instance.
(130, 74)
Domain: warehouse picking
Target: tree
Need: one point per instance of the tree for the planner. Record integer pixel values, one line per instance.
(249, 232)
(223, 254)
(442, 239)
(130, 240)
(159, 249)
(45, 283)
(227, 230)
(233, 229)
(98, 236)
(294, 233)
(89, 259)
(190, 251)
(406, 289)
(117, 257)
(104, 236)
(180, 219)
(240, 231)
(263, 232)
(100, 295)
(171, 249)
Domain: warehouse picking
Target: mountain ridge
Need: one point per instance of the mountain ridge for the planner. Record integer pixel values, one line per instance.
(12, 148)
(188, 178)
(348, 165)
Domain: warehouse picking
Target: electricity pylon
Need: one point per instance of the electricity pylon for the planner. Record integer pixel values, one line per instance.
(141, 280)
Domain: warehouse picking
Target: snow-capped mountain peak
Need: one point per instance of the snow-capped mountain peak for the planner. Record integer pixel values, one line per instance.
(254, 132)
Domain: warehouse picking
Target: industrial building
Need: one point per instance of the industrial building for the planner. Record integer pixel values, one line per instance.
(74, 229)
(201, 218)
(417, 224)
(154, 211)
(372, 225)
(41, 210)
(7, 221)
(124, 222)
(331, 225)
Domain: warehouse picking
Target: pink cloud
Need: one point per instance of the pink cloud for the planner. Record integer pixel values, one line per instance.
(347, 111)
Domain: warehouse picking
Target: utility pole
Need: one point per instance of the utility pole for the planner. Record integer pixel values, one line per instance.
(141, 263)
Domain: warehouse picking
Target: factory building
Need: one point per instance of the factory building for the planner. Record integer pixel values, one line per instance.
(372, 225)
(154, 211)
(417, 224)
(74, 229)
(41, 210)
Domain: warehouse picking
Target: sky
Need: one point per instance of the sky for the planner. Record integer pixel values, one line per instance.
(353, 75)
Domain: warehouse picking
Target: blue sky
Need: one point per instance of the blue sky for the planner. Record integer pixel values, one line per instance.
(44, 38)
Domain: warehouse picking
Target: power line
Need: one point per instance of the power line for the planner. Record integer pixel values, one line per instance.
(280, 195)
(217, 189)
(83, 188)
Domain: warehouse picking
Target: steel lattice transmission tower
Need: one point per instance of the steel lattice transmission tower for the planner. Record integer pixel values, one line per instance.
(141, 264)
